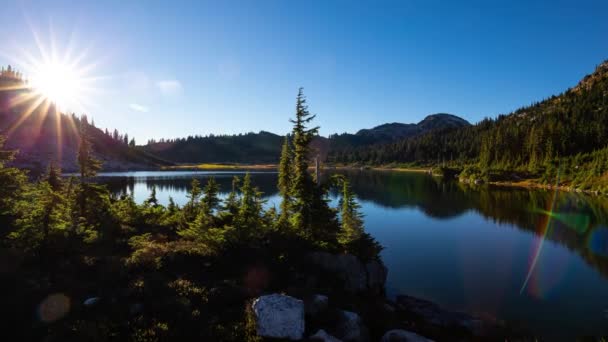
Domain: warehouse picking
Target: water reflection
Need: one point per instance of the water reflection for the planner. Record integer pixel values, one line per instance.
(513, 253)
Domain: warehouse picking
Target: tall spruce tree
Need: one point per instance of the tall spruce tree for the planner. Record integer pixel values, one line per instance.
(86, 161)
(284, 182)
(302, 185)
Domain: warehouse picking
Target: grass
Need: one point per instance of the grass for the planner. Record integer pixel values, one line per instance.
(222, 166)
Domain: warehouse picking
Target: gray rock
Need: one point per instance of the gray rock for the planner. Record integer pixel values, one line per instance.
(321, 335)
(351, 328)
(399, 335)
(279, 316)
(91, 301)
(376, 276)
(357, 277)
(316, 304)
(388, 307)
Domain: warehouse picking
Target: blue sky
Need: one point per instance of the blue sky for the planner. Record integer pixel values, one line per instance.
(176, 68)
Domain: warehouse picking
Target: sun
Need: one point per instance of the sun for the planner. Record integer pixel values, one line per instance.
(57, 74)
(59, 83)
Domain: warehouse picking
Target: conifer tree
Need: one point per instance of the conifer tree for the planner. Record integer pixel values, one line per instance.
(12, 181)
(250, 209)
(302, 184)
(87, 163)
(54, 177)
(231, 204)
(210, 196)
(192, 208)
(152, 200)
(352, 219)
(284, 182)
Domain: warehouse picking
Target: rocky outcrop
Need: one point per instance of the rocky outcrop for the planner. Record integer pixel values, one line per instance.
(322, 335)
(351, 328)
(279, 316)
(357, 276)
(400, 335)
(316, 304)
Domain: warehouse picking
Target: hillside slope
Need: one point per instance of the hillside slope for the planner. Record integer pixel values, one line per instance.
(40, 134)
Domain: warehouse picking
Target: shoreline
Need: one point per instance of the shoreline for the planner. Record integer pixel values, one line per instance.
(523, 183)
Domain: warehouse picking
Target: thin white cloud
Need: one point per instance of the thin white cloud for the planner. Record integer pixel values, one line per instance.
(169, 87)
(138, 108)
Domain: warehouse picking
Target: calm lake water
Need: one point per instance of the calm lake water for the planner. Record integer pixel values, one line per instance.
(528, 256)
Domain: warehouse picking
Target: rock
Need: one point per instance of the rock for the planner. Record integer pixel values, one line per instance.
(279, 316)
(376, 276)
(321, 335)
(431, 313)
(388, 307)
(351, 328)
(399, 335)
(316, 304)
(357, 277)
(478, 181)
(91, 301)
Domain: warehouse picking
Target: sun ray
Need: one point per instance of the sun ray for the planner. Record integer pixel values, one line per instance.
(26, 114)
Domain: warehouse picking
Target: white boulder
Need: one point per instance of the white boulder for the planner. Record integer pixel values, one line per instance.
(279, 316)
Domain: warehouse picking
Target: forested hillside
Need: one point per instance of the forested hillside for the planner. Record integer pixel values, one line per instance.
(262, 147)
(41, 134)
(567, 132)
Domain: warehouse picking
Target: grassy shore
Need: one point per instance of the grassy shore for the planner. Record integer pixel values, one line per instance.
(235, 166)
(222, 166)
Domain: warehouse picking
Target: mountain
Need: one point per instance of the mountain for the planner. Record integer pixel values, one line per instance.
(565, 134)
(41, 134)
(395, 131)
(391, 132)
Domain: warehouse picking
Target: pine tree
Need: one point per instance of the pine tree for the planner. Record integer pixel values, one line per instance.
(152, 200)
(232, 203)
(250, 209)
(54, 177)
(12, 181)
(87, 163)
(284, 182)
(191, 209)
(211, 200)
(302, 184)
(352, 219)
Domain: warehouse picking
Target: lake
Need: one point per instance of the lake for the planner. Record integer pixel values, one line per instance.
(532, 256)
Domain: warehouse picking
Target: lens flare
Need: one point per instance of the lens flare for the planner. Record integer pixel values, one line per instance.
(544, 230)
(54, 307)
